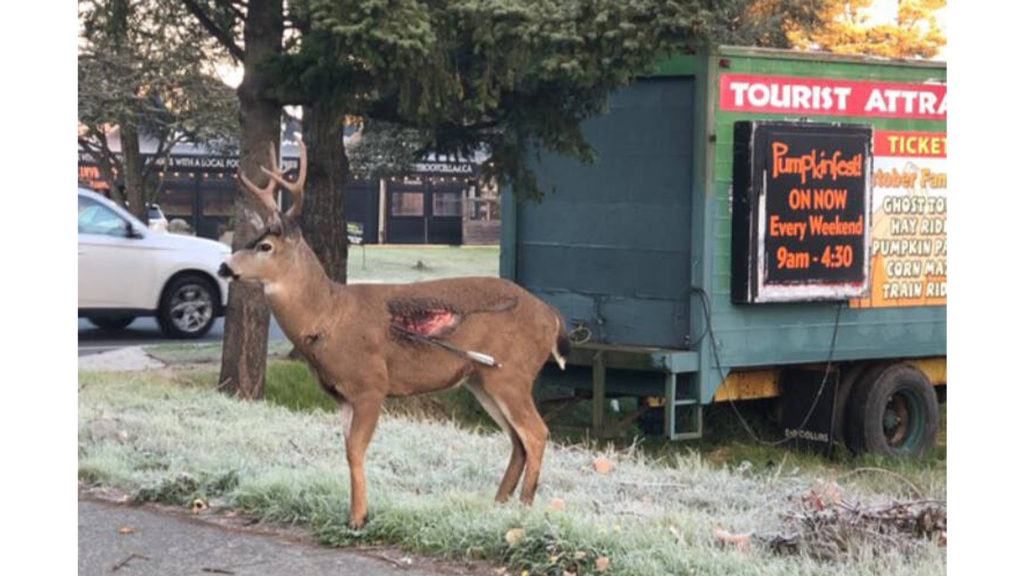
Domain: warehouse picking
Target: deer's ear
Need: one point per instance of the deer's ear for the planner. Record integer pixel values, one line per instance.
(275, 225)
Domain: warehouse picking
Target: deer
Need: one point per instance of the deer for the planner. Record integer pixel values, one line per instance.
(368, 342)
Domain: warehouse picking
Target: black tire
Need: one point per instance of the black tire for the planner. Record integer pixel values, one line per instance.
(849, 376)
(188, 307)
(894, 411)
(111, 322)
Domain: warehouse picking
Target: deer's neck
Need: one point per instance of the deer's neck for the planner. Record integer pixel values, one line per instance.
(303, 298)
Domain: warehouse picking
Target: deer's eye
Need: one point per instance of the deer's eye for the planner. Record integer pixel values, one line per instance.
(264, 247)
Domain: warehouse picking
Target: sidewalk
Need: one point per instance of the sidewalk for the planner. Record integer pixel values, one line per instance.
(125, 540)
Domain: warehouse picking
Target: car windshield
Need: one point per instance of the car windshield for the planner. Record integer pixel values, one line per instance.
(95, 218)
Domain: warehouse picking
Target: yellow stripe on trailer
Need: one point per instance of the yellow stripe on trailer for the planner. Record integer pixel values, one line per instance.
(933, 368)
(756, 384)
(749, 385)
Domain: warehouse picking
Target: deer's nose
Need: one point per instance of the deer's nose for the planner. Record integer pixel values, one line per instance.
(225, 271)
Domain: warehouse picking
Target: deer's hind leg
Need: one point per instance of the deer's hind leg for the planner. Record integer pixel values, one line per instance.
(514, 399)
(518, 458)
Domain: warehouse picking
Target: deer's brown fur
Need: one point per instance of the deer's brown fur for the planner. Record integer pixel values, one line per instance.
(346, 334)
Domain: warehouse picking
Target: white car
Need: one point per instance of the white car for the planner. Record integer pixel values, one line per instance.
(126, 270)
(157, 220)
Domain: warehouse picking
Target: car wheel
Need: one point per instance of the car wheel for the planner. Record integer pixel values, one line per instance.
(894, 411)
(111, 322)
(188, 306)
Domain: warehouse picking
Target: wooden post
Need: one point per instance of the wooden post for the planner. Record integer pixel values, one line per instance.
(597, 411)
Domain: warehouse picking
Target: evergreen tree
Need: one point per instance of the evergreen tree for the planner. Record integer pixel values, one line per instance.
(143, 74)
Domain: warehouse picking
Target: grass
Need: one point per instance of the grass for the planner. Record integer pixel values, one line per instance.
(436, 460)
(292, 385)
(725, 444)
(167, 436)
(417, 263)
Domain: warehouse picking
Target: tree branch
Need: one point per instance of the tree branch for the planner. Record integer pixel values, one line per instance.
(223, 36)
(101, 137)
(89, 148)
(166, 153)
(233, 7)
(105, 158)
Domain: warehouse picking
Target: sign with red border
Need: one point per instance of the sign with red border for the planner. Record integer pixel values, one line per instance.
(822, 96)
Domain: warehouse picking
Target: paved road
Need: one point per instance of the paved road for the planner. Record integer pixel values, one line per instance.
(144, 331)
(127, 540)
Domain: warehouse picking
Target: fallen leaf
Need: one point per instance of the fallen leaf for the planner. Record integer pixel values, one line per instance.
(126, 530)
(603, 465)
(514, 535)
(602, 563)
(580, 555)
(675, 532)
(823, 495)
(739, 540)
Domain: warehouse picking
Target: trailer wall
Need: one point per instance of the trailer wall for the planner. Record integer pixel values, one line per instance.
(761, 335)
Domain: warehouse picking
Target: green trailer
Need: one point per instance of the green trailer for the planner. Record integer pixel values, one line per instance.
(758, 224)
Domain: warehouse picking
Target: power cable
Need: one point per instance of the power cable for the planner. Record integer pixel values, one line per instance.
(709, 330)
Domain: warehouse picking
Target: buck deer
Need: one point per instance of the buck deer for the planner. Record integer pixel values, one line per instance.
(368, 342)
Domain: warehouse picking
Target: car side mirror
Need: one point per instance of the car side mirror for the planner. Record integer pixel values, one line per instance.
(131, 232)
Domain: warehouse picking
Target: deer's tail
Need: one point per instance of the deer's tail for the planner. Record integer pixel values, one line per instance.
(562, 345)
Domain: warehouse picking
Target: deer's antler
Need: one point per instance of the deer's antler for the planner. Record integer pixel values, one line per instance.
(276, 174)
(265, 194)
(297, 188)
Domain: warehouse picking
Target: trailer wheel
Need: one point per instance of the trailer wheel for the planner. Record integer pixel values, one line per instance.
(893, 410)
(848, 380)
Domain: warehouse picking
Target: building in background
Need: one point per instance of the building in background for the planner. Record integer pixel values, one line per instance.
(440, 201)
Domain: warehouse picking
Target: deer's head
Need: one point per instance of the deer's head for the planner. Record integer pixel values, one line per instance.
(279, 250)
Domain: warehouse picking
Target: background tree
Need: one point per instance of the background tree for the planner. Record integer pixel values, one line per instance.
(252, 33)
(497, 75)
(142, 73)
(383, 150)
(463, 76)
(764, 23)
(848, 29)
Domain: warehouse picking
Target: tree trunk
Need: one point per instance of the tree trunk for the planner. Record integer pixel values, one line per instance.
(244, 360)
(323, 215)
(134, 192)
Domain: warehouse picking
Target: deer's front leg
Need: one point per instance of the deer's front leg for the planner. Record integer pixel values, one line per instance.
(364, 415)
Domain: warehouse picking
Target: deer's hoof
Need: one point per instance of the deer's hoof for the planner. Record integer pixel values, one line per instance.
(357, 522)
